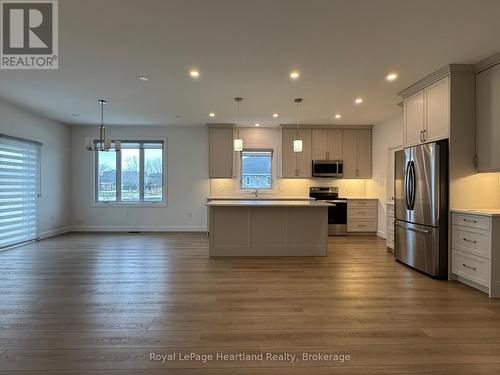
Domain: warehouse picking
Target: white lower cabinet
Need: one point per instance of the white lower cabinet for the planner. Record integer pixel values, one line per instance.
(389, 228)
(362, 216)
(475, 256)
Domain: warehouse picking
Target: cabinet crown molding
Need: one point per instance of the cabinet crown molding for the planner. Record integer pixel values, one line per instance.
(327, 127)
(436, 76)
(221, 126)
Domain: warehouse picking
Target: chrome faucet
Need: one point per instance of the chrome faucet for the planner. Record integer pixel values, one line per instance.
(255, 193)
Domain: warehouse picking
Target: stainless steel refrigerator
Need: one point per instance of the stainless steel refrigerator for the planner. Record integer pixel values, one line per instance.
(421, 208)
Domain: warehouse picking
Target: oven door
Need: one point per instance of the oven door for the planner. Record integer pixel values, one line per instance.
(337, 218)
(327, 168)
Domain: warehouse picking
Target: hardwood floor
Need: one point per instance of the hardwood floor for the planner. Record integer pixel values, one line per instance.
(101, 303)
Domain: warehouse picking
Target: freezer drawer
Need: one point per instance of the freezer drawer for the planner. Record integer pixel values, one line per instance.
(421, 247)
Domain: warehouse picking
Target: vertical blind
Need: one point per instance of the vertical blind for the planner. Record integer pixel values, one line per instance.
(19, 190)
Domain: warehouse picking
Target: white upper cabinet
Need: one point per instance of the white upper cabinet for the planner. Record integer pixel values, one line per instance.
(334, 145)
(296, 164)
(414, 118)
(427, 113)
(488, 119)
(357, 153)
(221, 152)
(327, 144)
(437, 110)
(319, 144)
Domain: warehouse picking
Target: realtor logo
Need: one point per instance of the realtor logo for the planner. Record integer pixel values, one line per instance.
(29, 37)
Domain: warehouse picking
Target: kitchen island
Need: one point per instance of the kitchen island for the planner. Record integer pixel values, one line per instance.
(268, 228)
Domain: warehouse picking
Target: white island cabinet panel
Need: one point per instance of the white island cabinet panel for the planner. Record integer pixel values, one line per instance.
(268, 228)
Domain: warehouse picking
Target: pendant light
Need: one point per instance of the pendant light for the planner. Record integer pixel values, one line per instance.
(238, 142)
(297, 142)
(101, 144)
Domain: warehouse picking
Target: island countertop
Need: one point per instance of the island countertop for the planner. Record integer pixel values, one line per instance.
(493, 212)
(260, 197)
(266, 203)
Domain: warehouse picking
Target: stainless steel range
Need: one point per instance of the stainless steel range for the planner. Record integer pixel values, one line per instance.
(337, 213)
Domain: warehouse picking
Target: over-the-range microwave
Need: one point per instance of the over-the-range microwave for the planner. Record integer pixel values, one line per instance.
(328, 168)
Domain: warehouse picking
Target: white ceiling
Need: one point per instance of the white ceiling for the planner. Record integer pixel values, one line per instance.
(343, 49)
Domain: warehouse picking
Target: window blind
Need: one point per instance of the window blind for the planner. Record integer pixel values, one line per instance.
(19, 190)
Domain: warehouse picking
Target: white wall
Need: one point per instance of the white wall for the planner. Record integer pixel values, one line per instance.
(54, 202)
(187, 182)
(386, 135)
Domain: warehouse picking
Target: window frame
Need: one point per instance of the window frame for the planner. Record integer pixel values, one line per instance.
(141, 202)
(263, 149)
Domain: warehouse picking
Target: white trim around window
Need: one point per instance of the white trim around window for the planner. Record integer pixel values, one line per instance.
(141, 202)
(274, 171)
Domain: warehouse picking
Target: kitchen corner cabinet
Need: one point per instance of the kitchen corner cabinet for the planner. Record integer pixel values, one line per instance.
(221, 152)
(488, 119)
(296, 164)
(327, 144)
(357, 153)
(427, 113)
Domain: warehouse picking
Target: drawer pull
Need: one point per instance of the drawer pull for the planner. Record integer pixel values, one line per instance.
(469, 267)
(361, 225)
(470, 221)
(361, 212)
(467, 240)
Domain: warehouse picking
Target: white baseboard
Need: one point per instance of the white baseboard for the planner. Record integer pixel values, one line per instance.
(53, 232)
(112, 228)
(381, 233)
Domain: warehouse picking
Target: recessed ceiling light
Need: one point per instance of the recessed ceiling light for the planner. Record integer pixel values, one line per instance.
(358, 100)
(338, 115)
(275, 115)
(143, 78)
(211, 114)
(294, 75)
(194, 73)
(257, 124)
(391, 77)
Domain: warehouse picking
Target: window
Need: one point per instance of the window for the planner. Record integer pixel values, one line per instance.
(19, 190)
(256, 169)
(133, 175)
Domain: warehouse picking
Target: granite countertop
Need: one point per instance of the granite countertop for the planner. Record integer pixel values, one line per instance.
(262, 198)
(266, 203)
(478, 211)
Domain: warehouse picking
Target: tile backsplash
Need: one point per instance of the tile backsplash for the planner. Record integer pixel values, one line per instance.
(291, 187)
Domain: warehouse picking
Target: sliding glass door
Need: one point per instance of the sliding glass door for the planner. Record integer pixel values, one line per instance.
(19, 190)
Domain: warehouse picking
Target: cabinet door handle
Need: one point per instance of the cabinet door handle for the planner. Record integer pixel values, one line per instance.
(469, 267)
(296, 172)
(467, 240)
(424, 134)
(470, 221)
(328, 155)
(421, 135)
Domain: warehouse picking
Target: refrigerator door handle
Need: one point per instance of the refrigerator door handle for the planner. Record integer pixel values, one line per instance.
(407, 186)
(418, 230)
(413, 189)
